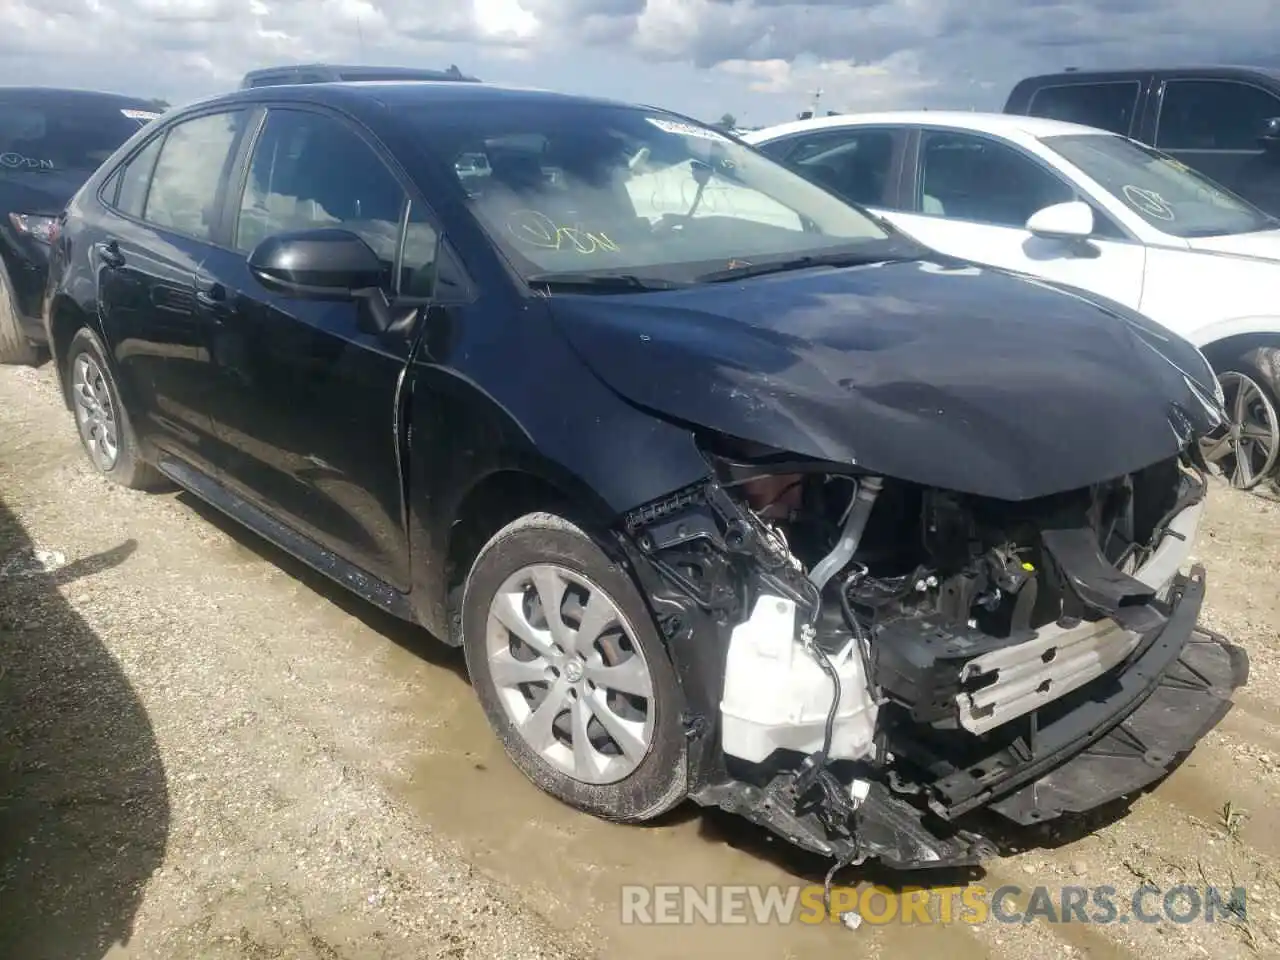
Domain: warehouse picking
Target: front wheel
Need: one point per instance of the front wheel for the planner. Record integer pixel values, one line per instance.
(571, 672)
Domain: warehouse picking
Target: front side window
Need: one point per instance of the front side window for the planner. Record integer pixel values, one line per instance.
(40, 137)
(967, 177)
(585, 187)
(1108, 106)
(1213, 115)
(190, 172)
(1168, 195)
(310, 171)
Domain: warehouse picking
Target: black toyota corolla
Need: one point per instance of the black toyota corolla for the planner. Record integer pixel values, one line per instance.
(728, 490)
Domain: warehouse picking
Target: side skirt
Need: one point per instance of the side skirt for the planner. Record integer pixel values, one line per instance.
(359, 582)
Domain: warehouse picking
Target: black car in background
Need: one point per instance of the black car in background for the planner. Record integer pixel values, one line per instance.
(335, 72)
(759, 503)
(50, 141)
(1222, 121)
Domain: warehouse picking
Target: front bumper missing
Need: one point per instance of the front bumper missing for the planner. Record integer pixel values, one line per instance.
(1111, 737)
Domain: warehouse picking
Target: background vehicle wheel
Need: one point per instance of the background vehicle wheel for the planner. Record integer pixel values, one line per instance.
(15, 348)
(571, 672)
(101, 419)
(1248, 452)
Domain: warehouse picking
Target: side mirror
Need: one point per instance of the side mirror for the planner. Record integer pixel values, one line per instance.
(327, 264)
(1063, 221)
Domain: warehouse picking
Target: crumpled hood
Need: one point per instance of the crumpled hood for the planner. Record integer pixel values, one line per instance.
(967, 379)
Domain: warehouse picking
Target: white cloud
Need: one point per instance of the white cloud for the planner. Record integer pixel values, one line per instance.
(862, 53)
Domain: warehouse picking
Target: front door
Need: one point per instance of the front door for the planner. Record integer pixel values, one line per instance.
(973, 197)
(161, 226)
(310, 407)
(1213, 126)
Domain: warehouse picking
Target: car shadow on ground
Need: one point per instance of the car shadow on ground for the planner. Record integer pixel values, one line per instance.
(84, 804)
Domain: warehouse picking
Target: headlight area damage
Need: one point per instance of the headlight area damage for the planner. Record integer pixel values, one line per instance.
(865, 660)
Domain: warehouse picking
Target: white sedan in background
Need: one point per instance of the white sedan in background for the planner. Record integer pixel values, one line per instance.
(1084, 207)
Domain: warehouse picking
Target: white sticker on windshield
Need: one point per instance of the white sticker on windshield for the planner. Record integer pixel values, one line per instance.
(143, 115)
(687, 129)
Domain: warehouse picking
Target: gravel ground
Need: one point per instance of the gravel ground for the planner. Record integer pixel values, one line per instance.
(208, 751)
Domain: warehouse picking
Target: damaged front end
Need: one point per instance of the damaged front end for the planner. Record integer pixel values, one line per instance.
(865, 660)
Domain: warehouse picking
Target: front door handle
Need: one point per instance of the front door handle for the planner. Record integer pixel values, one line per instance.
(109, 253)
(211, 294)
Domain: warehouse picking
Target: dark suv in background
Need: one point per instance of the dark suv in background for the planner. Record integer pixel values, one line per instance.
(50, 142)
(1223, 121)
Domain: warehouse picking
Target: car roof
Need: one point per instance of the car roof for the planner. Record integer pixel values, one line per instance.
(357, 94)
(346, 71)
(1226, 70)
(997, 124)
(52, 96)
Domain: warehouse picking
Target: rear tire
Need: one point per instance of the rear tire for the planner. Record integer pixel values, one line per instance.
(106, 432)
(612, 743)
(15, 347)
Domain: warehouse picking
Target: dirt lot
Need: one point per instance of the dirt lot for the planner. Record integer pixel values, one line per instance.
(208, 751)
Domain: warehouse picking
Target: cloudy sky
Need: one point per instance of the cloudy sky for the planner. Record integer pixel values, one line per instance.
(758, 59)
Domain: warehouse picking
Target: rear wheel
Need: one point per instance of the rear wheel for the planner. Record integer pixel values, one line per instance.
(106, 432)
(15, 348)
(1246, 453)
(571, 671)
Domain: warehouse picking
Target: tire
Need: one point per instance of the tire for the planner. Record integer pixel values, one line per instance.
(127, 468)
(15, 348)
(630, 789)
(1259, 368)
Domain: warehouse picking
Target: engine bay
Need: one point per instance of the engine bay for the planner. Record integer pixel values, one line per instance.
(876, 658)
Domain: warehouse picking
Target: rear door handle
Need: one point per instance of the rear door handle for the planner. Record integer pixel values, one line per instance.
(109, 253)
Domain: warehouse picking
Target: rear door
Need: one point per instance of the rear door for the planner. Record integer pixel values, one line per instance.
(972, 195)
(1213, 125)
(309, 401)
(165, 207)
(1111, 104)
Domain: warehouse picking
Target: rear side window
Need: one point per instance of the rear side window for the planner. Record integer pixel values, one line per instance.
(1213, 115)
(53, 136)
(135, 177)
(853, 164)
(189, 174)
(1108, 106)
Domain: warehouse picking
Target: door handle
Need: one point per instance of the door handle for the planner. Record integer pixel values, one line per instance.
(210, 293)
(109, 253)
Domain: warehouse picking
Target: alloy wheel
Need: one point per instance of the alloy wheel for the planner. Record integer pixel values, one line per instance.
(95, 413)
(1245, 453)
(570, 674)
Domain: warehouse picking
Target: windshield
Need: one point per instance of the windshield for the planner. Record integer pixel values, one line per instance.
(1168, 195)
(42, 137)
(576, 188)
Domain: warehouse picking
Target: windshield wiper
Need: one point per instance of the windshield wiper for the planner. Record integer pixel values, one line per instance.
(603, 282)
(845, 259)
